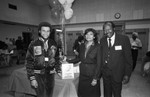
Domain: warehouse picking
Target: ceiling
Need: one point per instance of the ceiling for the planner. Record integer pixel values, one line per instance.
(39, 2)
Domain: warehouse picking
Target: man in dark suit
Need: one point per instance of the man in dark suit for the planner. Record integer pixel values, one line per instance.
(116, 60)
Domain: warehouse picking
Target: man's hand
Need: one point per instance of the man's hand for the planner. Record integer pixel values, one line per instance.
(59, 74)
(94, 82)
(64, 60)
(125, 80)
(76, 53)
(34, 83)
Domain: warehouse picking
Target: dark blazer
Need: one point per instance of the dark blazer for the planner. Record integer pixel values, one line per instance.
(120, 62)
(90, 65)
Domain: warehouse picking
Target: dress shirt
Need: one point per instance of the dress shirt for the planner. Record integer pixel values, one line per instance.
(112, 40)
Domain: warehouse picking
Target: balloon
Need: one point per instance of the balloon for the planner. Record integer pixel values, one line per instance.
(68, 13)
(53, 3)
(67, 6)
(62, 1)
(55, 13)
(69, 1)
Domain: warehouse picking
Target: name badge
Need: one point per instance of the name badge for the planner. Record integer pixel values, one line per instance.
(118, 47)
(46, 59)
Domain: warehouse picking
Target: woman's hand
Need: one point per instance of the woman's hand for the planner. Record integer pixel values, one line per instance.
(94, 82)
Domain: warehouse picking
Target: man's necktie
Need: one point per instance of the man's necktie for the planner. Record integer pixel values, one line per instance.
(109, 42)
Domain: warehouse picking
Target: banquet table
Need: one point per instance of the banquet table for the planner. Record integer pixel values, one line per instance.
(20, 85)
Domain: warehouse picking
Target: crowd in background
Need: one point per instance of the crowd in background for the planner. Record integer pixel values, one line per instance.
(10, 49)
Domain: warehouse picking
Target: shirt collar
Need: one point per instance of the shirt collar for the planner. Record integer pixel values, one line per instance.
(113, 37)
(40, 38)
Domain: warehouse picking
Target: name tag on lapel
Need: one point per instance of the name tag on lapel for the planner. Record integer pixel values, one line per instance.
(119, 47)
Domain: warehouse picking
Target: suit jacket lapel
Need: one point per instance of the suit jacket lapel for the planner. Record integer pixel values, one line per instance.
(82, 52)
(90, 49)
(116, 40)
(105, 42)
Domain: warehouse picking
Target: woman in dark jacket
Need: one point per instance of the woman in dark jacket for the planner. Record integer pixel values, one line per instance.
(89, 55)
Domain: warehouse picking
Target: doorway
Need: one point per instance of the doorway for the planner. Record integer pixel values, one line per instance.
(27, 38)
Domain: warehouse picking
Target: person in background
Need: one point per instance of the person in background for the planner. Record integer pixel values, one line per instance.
(136, 44)
(3, 45)
(77, 43)
(13, 41)
(41, 61)
(19, 46)
(145, 59)
(90, 67)
(60, 44)
(4, 54)
(116, 60)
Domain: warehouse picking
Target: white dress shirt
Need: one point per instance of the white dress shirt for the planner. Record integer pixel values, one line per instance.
(112, 40)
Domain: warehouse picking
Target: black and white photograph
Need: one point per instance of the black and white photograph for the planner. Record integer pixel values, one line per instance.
(75, 48)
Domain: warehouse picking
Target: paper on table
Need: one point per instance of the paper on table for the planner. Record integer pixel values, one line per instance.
(67, 71)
